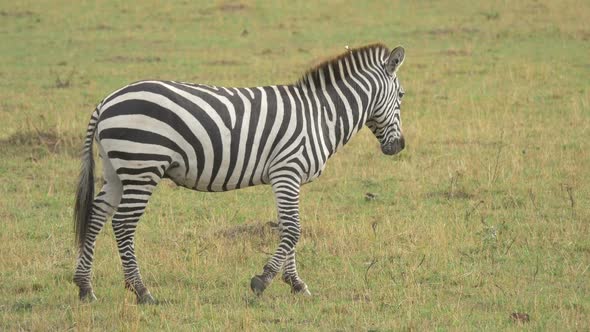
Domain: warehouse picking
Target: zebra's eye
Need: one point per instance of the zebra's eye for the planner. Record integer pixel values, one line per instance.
(401, 94)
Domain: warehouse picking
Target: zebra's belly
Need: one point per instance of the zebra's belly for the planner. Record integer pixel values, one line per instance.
(221, 180)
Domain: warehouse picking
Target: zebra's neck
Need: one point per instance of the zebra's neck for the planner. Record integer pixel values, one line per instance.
(345, 89)
(337, 113)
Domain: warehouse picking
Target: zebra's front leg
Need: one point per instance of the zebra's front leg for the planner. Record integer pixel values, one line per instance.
(291, 277)
(286, 190)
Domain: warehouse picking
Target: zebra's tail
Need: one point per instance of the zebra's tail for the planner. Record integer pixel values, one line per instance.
(85, 191)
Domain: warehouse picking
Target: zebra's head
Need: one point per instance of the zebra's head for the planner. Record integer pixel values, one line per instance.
(385, 121)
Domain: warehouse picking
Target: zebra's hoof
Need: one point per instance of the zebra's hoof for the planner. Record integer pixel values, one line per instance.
(87, 296)
(306, 292)
(257, 285)
(301, 289)
(146, 299)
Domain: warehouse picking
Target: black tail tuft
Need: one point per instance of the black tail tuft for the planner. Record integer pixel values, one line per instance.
(85, 191)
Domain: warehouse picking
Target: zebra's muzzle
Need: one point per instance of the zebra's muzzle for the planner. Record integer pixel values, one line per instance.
(393, 147)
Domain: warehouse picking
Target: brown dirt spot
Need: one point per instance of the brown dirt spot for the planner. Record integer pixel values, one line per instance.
(450, 194)
(520, 317)
(224, 63)
(457, 142)
(275, 51)
(259, 229)
(35, 287)
(465, 72)
(583, 34)
(439, 32)
(451, 31)
(232, 7)
(228, 8)
(454, 52)
(103, 27)
(50, 140)
(17, 14)
(128, 59)
(361, 298)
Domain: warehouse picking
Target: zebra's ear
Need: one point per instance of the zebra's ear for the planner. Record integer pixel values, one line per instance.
(395, 60)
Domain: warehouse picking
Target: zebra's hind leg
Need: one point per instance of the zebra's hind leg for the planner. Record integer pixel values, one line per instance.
(103, 207)
(138, 185)
(291, 277)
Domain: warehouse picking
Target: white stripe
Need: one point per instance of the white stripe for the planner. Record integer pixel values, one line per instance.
(250, 166)
(272, 136)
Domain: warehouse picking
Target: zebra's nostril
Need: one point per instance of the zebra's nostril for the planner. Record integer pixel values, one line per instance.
(393, 147)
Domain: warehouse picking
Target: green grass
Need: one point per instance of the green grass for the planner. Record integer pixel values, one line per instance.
(483, 215)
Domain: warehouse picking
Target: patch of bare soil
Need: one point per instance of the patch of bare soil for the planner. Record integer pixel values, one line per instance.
(232, 7)
(128, 59)
(48, 140)
(224, 63)
(450, 194)
(16, 14)
(225, 8)
(455, 52)
(259, 229)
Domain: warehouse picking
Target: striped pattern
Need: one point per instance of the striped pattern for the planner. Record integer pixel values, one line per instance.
(213, 139)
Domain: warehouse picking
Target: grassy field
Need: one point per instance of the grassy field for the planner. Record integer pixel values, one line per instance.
(485, 213)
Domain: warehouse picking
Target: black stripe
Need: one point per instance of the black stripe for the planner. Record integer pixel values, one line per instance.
(311, 126)
(235, 134)
(136, 171)
(136, 192)
(147, 182)
(138, 156)
(252, 126)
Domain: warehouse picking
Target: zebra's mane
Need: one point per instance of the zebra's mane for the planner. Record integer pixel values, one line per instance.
(313, 74)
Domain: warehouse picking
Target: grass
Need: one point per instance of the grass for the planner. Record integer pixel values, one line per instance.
(483, 215)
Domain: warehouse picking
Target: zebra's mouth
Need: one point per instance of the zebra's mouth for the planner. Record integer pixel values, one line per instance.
(393, 147)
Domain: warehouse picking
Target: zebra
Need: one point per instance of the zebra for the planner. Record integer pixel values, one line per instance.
(212, 138)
